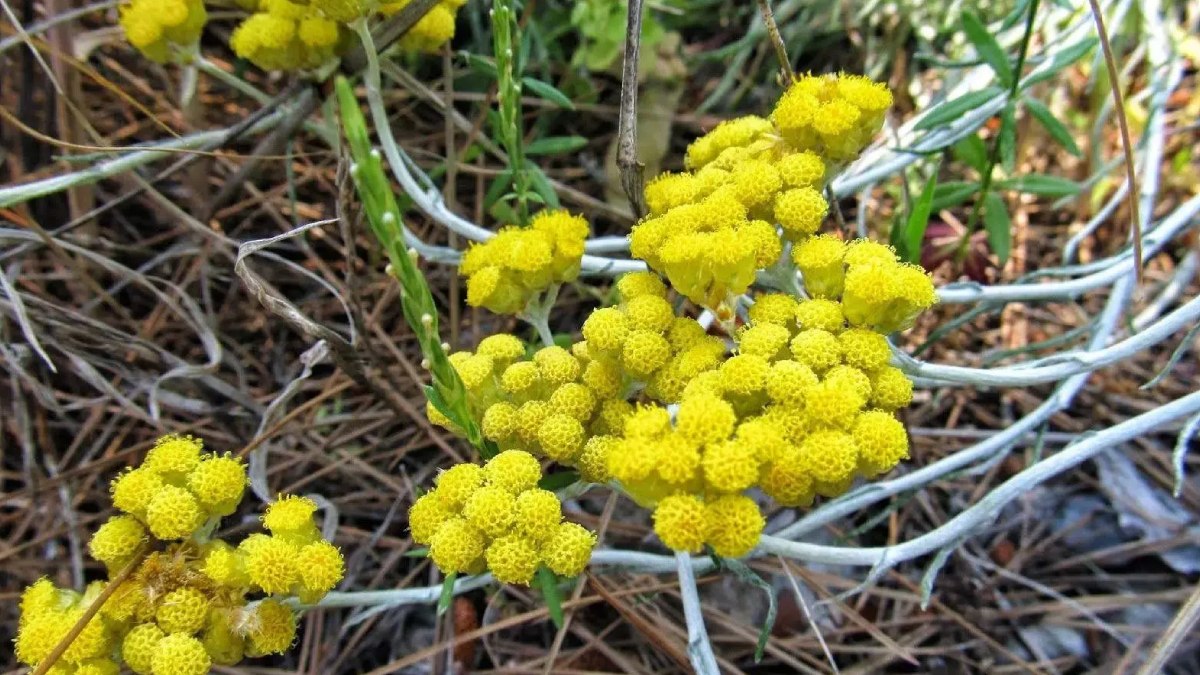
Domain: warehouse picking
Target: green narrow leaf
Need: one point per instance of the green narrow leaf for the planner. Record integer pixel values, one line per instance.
(989, 50)
(479, 64)
(418, 552)
(1007, 137)
(557, 481)
(541, 185)
(743, 572)
(1015, 15)
(1061, 60)
(549, 587)
(972, 151)
(950, 110)
(447, 595)
(918, 220)
(952, 193)
(998, 226)
(1041, 185)
(555, 145)
(548, 92)
(1053, 126)
(500, 184)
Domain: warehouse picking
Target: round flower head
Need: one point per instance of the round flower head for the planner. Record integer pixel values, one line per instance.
(183, 610)
(224, 565)
(679, 522)
(744, 374)
(787, 481)
(530, 417)
(513, 470)
(705, 419)
(593, 461)
(603, 377)
(801, 169)
(502, 348)
(116, 541)
(630, 461)
(475, 371)
(180, 654)
(133, 490)
(427, 515)
(39, 598)
(174, 456)
(218, 483)
(677, 461)
(865, 251)
(456, 484)
(492, 510)
(561, 437)
(637, 284)
(755, 182)
(684, 332)
(670, 190)
(764, 340)
(556, 366)
(521, 378)
(574, 400)
(800, 211)
(732, 525)
(513, 559)
(456, 546)
(881, 440)
(735, 133)
(538, 513)
(788, 381)
(774, 308)
(499, 421)
(644, 352)
(831, 457)
(851, 379)
(729, 466)
(648, 422)
(173, 513)
(864, 349)
(614, 413)
(569, 549)
(272, 629)
(38, 635)
(820, 314)
(832, 404)
(139, 645)
(890, 389)
(271, 563)
(291, 517)
(764, 440)
(321, 568)
(649, 312)
(820, 261)
(817, 349)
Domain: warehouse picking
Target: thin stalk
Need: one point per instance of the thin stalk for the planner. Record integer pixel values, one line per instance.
(508, 93)
(1114, 78)
(700, 651)
(632, 171)
(785, 64)
(985, 185)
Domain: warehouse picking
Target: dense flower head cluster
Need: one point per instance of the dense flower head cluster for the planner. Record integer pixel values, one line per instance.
(278, 34)
(190, 602)
(554, 402)
(160, 29)
(495, 518)
(710, 229)
(507, 271)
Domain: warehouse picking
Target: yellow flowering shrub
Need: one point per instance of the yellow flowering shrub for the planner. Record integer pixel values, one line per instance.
(495, 518)
(191, 601)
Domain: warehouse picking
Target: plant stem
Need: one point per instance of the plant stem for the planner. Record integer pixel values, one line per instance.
(700, 651)
(785, 64)
(504, 30)
(632, 171)
(985, 185)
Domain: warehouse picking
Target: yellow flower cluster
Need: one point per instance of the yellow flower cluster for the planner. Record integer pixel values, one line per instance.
(186, 606)
(495, 518)
(507, 271)
(160, 28)
(285, 35)
(710, 229)
(876, 290)
(558, 402)
(805, 405)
